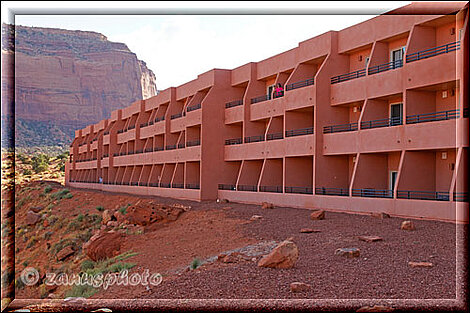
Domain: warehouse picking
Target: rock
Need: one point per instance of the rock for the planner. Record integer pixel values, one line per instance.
(103, 245)
(233, 257)
(370, 238)
(51, 296)
(317, 215)
(119, 216)
(45, 223)
(145, 214)
(375, 308)
(112, 223)
(255, 217)
(222, 201)
(299, 287)
(420, 264)
(106, 217)
(309, 230)
(348, 252)
(36, 209)
(407, 225)
(267, 205)
(65, 253)
(283, 256)
(32, 218)
(380, 215)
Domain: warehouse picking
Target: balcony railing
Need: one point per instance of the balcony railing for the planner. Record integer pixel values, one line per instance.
(234, 141)
(192, 186)
(299, 132)
(385, 122)
(431, 117)
(348, 76)
(153, 185)
(193, 107)
(131, 127)
(300, 84)
(158, 149)
(174, 116)
(193, 143)
(385, 67)
(301, 190)
(278, 94)
(274, 136)
(339, 128)
(227, 187)
(180, 186)
(106, 133)
(259, 99)
(277, 189)
(461, 196)
(423, 195)
(158, 119)
(165, 185)
(254, 139)
(233, 104)
(424, 54)
(144, 125)
(372, 193)
(332, 191)
(247, 188)
(170, 147)
(181, 145)
(147, 150)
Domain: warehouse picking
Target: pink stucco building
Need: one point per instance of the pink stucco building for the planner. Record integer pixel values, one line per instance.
(372, 118)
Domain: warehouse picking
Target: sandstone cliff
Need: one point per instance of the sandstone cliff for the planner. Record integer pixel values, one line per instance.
(68, 79)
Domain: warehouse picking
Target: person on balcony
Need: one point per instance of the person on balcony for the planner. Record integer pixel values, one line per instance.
(279, 91)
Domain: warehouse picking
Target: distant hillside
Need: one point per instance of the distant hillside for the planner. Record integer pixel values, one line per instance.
(65, 80)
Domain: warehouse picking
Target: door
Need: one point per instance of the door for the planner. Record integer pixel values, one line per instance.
(396, 114)
(393, 180)
(397, 57)
(270, 91)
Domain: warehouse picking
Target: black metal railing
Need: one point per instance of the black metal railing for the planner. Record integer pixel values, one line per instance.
(193, 107)
(139, 151)
(179, 186)
(165, 185)
(233, 104)
(299, 132)
(192, 186)
(178, 115)
(431, 117)
(339, 128)
(274, 136)
(247, 188)
(170, 147)
(234, 141)
(153, 184)
(158, 119)
(131, 127)
(385, 67)
(227, 187)
(372, 193)
(259, 99)
(181, 145)
(423, 195)
(147, 150)
(301, 190)
(158, 149)
(254, 139)
(144, 125)
(424, 54)
(106, 133)
(193, 143)
(134, 184)
(106, 155)
(278, 94)
(277, 189)
(143, 184)
(385, 122)
(120, 131)
(348, 76)
(461, 196)
(332, 191)
(300, 84)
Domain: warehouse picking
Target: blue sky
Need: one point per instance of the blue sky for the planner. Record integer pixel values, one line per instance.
(179, 47)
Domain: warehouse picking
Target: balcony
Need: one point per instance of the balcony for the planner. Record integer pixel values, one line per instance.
(385, 67)
(348, 76)
(193, 143)
(277, 189)
(181, 145)
(179, 186)
(299, 190)
(300, 84)
(235, 141)
(193, 186)
(254, 139)
(332, 191)
(274, 136)
(372, 193)
(227, 187)
(424, 54)
(431, 117)
(247, 188)
(259, 99)
(340, 128)
(233, 104)
(423, 195)
(385, 122)
(193, 107)
(175, 116)
(158, 119)
(461, 196)
(170, 147)
(299, 132)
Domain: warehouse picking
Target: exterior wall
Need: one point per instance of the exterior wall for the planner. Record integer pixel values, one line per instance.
(330, 140)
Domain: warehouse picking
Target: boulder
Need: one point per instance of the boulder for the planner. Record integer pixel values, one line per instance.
(103, 245)
(420, 264)
(370, 238)
(407, 225)
(32, 218)
(317, 215)
(348, 252)
(106, 217)
(36, 209)
(65, 253)
(267, 205)
(144, 215)
(299, 287)
(283, 256)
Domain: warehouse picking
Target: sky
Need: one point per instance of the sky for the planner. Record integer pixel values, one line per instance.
(178, 46)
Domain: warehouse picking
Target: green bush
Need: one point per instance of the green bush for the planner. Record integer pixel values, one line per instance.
(87, 264)
(40, 163)
(195, 264)
(62, 194)
(27, 171)
(47, 189)
(100, 208)
(123, 210)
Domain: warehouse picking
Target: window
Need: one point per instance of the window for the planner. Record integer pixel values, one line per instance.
(367, 61)
(393, 179)
(396, 114)
(396, 56)
(270, 90)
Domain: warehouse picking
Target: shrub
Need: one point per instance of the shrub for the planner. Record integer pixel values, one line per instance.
(80, 217)
(40, 163)
(62, 194)
(27, 172)
(87, 264)
(81, 290)
(100, 208)
(47, 189)
(123, 210)
(195, 263)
